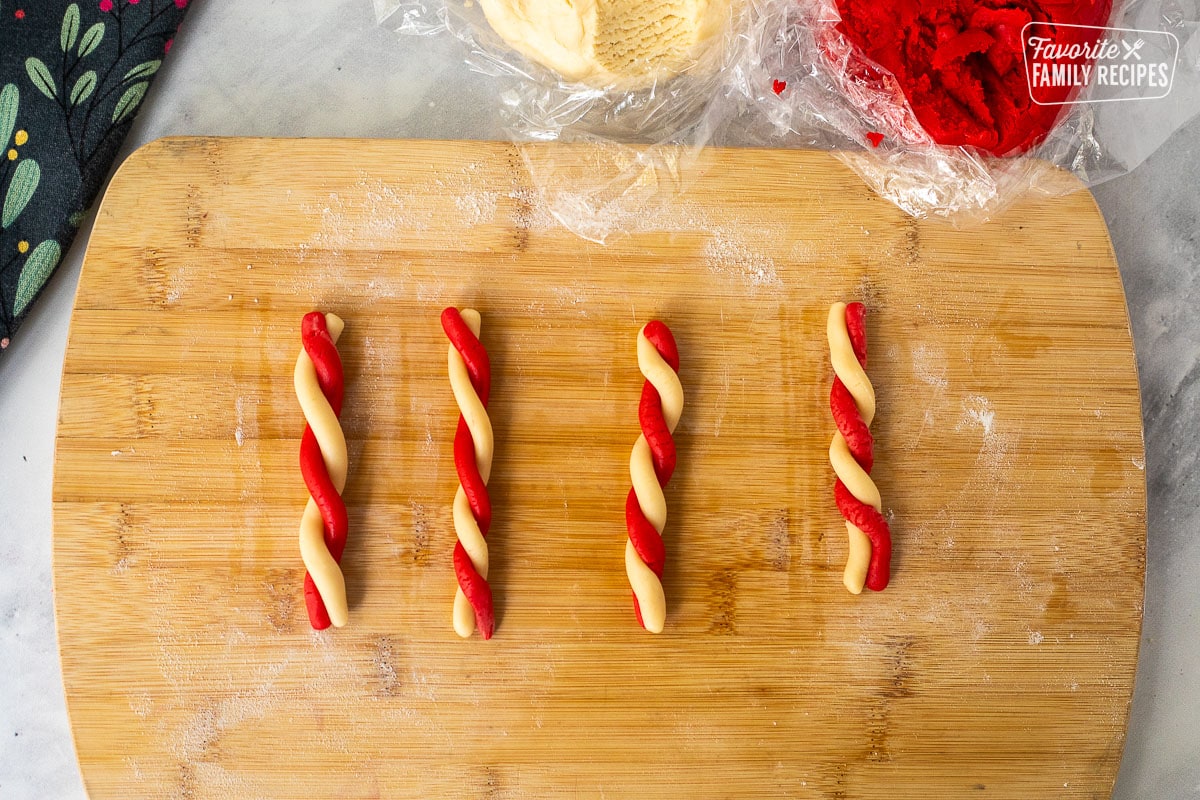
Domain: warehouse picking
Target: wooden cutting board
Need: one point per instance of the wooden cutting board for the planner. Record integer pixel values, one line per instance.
(998, 663)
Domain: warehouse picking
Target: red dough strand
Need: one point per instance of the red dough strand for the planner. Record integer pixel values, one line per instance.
(646, 540)
(474, 586)
(861, 444)
(872, 523)
(314, 335)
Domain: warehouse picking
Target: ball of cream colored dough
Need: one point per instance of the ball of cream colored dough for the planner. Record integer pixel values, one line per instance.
(624, 43)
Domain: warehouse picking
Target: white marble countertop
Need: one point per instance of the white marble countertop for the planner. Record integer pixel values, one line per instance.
(323, 68)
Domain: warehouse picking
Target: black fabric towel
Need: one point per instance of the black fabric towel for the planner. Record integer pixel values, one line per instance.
(72, 76)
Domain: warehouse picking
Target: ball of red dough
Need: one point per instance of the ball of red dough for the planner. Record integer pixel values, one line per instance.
(960, 63)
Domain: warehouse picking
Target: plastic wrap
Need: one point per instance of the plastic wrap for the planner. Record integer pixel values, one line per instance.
(782, 73)
(641, 131)
(801, 82)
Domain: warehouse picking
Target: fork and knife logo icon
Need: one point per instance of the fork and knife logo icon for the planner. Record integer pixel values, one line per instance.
(1131, 49)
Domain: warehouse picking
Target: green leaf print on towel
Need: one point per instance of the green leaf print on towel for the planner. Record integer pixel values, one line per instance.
(70, 28)
(24, 183)
(39, 73)
(38, 266)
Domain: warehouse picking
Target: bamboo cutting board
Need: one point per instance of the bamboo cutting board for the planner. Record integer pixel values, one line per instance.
(998, 663)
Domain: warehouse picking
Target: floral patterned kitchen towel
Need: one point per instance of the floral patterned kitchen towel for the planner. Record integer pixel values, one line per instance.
(72, 76)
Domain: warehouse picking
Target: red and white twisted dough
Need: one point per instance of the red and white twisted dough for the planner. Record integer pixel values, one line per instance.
(852, 452)
(650, 467)
(323, 463)
(471, 382)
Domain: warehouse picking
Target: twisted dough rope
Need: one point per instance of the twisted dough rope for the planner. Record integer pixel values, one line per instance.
(323, 462)
(650, 467)
(852, 403)
(471, 382)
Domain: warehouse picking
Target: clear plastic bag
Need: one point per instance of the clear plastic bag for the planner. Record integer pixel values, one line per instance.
(782, 73)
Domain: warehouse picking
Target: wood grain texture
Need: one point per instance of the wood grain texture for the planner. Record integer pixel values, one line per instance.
(999, 663)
